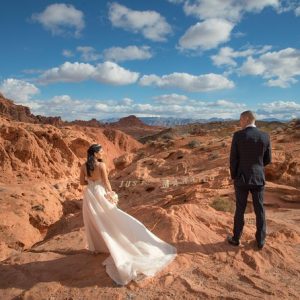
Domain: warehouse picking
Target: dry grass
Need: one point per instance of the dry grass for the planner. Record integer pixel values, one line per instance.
(194, 144)
(223, 204)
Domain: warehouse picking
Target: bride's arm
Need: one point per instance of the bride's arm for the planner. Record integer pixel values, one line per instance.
(82, 176)
(105, 177)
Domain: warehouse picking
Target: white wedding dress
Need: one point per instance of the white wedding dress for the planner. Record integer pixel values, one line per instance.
(135, 252)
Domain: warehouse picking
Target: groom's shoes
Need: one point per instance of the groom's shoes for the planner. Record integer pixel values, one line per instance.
(260, 245)
(232, 241)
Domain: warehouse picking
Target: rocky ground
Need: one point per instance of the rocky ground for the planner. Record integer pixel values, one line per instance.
(177, 184)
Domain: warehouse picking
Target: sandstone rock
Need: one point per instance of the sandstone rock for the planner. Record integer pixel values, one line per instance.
(123, 161)
(42, 240)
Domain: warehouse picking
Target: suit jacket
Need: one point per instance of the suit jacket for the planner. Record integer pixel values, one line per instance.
(250, 152)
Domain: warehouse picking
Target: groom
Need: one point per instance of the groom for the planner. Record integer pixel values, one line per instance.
(250, 152)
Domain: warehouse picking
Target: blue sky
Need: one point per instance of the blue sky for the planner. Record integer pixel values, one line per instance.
(190, 59)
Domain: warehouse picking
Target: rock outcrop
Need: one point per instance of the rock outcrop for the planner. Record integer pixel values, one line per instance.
(135, 127)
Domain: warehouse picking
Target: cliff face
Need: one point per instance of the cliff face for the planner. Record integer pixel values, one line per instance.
(43, 150)
(15, 112)
(12, 111)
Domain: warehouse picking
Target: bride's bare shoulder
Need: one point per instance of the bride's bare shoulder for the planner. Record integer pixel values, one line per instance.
(100, 164)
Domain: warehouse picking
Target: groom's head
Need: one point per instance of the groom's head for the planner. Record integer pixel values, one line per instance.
(247, 118)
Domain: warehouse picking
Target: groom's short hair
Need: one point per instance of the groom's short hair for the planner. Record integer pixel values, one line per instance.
(249, 114)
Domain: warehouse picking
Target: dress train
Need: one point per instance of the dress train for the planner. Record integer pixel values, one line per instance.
(135, 252)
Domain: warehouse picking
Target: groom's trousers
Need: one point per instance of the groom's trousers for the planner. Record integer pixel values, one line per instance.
(241, 193)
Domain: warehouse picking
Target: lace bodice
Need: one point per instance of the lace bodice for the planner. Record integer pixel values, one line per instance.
(93, 183)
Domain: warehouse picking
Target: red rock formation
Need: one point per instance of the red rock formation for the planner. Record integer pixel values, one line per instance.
(15, 112)
(22, 113)
(33, 159)
(168, 184)
(135, 127)
(55, 121)
(90, 123)
(130, 121)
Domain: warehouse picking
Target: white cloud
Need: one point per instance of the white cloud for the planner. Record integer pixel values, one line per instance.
(281, 82)
(188, 109)
(226, 55)
(231, 10)
(218, 20)
(151, 24)
(188, 82)
(278, 68)
(110, 72)
(88, 53)
(67, 53)
(279, 105)
(61, 19)
(206, 35)
(297, 11)
(102, 107)
(107, 72)
(18, 90)
(67, 72)
(252, 67)
(226, 104)
(171, 99)
(65, 107)
(284, 110)
(63, 99)
(127, 53)
(85, 109)
(287, 6)
(126, 101)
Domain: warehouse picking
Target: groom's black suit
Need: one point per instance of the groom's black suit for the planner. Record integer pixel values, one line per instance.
(250, 152)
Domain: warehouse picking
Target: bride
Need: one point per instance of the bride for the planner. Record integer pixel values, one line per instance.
(135, 252)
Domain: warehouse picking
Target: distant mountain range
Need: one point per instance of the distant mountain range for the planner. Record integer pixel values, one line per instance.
(274, 120)
(170, 122)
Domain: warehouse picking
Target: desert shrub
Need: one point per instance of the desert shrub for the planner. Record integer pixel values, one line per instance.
(223, 204)
(213, 155)
(194, 144)
(167, 136)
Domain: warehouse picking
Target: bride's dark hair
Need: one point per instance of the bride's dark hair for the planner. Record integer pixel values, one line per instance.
(90, 164)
